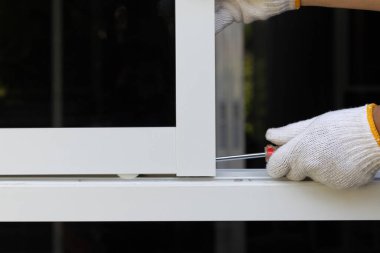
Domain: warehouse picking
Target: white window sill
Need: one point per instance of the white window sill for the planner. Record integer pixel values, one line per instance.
(232, 195)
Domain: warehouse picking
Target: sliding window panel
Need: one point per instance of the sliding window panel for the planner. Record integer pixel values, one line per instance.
(87, 87)
(107, 87)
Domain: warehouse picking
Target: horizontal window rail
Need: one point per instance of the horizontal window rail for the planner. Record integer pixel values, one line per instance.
(232, 195)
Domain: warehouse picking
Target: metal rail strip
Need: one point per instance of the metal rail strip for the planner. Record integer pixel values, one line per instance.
(232, 195)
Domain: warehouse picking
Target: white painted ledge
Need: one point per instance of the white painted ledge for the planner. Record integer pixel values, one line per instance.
(239, 195)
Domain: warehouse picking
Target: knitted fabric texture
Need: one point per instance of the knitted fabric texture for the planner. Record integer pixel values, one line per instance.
(247, 11)
(337, 149)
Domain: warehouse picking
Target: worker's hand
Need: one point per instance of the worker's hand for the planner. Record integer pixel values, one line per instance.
(247, 11)
(340, 149)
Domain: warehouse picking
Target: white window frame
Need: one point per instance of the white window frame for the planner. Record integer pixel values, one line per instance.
(188, 149)
(233, 195)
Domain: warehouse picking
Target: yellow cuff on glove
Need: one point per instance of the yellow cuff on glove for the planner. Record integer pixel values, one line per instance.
(371, 122)
(298, 4)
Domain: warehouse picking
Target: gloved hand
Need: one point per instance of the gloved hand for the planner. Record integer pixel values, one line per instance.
(340, 149)
(247, 11)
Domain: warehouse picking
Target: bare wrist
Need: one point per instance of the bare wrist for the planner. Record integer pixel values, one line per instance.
(352, 4)
(320, 3)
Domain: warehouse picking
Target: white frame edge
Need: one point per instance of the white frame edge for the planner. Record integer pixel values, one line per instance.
(234, 195)
(62, 151)
(195, 138)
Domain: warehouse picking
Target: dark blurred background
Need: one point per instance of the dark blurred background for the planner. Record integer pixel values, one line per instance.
(192, 237)
(308, 62)
(296, 65)
(87, 63)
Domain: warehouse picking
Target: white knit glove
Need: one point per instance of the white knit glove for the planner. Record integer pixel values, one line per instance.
(247, 11)
(340, 149)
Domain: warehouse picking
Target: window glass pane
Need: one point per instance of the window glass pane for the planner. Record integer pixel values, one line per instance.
(114, 65)
(25, 63)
